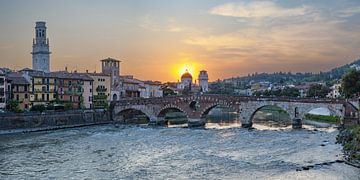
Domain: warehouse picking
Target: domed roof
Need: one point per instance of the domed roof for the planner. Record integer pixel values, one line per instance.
(186, 75)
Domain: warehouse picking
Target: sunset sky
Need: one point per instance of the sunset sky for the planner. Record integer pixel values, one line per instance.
(159, 39)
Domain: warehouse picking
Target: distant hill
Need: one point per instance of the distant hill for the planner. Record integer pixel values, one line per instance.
(329, 77)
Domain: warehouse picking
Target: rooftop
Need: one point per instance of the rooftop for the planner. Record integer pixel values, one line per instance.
(17, 78)
(110, 59)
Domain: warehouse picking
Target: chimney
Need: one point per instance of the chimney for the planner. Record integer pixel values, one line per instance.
(66, 69)
(87, 71)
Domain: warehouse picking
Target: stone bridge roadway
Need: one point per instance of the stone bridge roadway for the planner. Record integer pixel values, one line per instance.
(198, 106)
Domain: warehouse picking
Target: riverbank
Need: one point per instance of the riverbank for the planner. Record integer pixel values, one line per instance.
(350, 139)
(32, 122)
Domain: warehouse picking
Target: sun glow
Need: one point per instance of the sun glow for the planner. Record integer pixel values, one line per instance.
(181, 68)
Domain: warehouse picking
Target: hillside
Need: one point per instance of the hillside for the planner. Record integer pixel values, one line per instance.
(329, 77)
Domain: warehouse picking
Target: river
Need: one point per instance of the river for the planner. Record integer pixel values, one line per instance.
(142, 152)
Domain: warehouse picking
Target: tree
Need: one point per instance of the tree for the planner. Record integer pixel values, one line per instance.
(168, 92)
(13, 106)
(38, 107)
(350, 84)
(318, 90)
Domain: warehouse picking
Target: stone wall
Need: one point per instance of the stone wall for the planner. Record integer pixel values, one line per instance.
(51, 120)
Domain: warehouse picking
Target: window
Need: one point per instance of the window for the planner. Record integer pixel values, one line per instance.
(47, 97)
(26, 96)
(90, 90)
(17, 97)
(26, 106)
(43, 97)
(25, 88)
(36, 97)
(17, 88)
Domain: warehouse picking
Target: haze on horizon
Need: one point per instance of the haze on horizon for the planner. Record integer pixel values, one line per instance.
(158, 39)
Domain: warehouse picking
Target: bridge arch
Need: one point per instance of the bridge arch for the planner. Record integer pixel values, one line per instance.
(170, 107)
(132, 115)
(276, 107)
(205, 111)
(331, 111)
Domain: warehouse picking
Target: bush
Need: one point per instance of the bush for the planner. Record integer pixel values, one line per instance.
(50, 107)
(322, 118)
(39, 108)
(68, 106)
(350, 139)
(13, 106)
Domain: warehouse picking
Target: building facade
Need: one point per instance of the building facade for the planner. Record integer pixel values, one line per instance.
(2, 90)
(20, 89)
(101, 89)
(74, 89)
(152, 89)
(335, 91)
(41, 51)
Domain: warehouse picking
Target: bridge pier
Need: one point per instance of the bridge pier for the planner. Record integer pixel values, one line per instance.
(246, 125)
(297, 123)
(196, 123)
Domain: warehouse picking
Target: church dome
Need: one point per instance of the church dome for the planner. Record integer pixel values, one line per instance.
(186, 75)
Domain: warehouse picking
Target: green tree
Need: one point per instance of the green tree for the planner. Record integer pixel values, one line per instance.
(13, 106)
(350, 85)
(318, 90)
(168, 92)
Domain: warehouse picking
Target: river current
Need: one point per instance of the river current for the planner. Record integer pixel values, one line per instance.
(142, 152)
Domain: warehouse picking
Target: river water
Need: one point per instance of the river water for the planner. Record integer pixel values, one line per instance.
(142, 152)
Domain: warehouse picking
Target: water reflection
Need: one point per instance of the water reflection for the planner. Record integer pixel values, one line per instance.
(222, 117)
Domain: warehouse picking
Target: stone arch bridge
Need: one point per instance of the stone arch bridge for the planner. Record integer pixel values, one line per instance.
(197, 107)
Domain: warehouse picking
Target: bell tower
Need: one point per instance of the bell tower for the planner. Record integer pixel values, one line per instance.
(40, 52)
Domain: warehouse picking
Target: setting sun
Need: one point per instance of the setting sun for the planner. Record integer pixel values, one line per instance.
(181, 68)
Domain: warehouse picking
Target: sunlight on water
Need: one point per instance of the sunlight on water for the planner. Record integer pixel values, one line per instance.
(223, 125)
(177, 125)
(266, 127)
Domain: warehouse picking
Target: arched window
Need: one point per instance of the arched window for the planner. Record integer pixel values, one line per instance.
(114, 97)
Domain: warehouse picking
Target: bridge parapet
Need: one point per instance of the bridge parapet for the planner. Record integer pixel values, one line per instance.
(196, 107)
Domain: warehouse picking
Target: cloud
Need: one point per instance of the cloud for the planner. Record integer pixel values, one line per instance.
(349, 12)
(171, 25)
(258, 9)
(287, 46)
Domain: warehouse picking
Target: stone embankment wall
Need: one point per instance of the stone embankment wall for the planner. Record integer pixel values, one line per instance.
(11, 123)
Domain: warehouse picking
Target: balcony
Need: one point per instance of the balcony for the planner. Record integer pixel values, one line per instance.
(99, 89)
(100, 97)
(74, 93)
(44, 83)
(44, 91)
